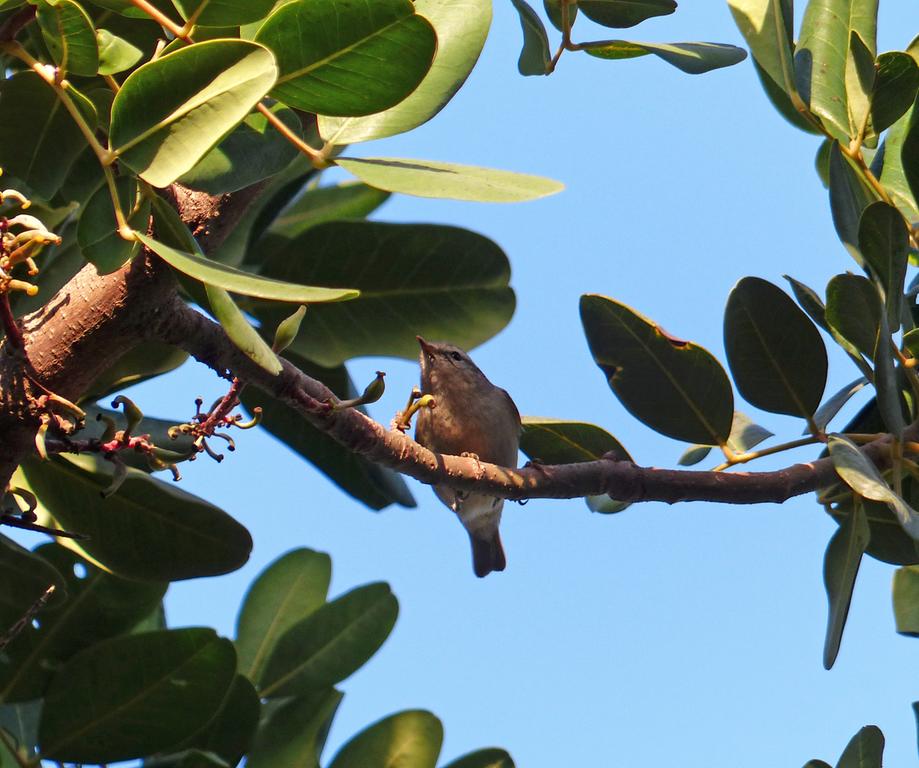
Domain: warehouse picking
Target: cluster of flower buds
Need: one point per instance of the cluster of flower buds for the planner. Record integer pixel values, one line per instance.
(21, 239)
(205, 425)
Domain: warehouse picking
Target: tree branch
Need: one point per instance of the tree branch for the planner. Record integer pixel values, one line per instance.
(621, 480)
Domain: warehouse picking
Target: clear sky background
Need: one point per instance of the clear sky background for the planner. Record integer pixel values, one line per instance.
(687, 635)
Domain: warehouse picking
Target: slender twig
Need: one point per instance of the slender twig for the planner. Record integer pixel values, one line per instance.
(10, 326)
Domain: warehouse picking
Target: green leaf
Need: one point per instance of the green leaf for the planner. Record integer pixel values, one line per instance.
(352, 200)
(225, 13)
(288, 590)
(865, 479)
(865, 750)
(784, 104)
(331, 643)
(240, 332)
(817, 764)
(97, 232)
(38, 140)
(554, 441)
(21, 722)
(232, 731)
(909, 154)
(624, 13)
(171, 111)
(115, 53)
(94, 606)
(409, 739)
(483, 758)
(895, 89)
(346, 57)
(429, 178)
(437, 281)
(173, 682)
(535, 56)
(745, 433)
(127, 8)
(461, 27)
(26, 577)
(69, 34)
(254, 150)
(831, 407)
(766, 26)
(840, 567)
(675, 387)
(810, 302)
(888, 166)
(883, 241)
(145, 361)
(906, 600)
(693, 455)
(853, 310)
(553, 9)
(825, 62)
(148, 531)
(369, 483)
(848, 199)
(294, 731)
(775, 353)
(243, 283)
(692, 58)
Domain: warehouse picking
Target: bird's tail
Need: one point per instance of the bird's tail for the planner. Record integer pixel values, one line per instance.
(487, 552)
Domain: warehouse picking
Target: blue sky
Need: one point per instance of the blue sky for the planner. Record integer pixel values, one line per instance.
(688, 635)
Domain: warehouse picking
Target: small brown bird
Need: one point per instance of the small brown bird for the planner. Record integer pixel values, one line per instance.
(471, 417)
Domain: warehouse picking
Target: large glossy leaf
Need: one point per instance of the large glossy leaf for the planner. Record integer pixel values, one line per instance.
(865, 479)
(347, 57)
(244, 283)
(97, 232)
(352, 200)
(437, 281)
(69, 34)
(224, 13)
(26, 577)
(840, 567)
(554, 441)
(38, 138)
(294, 731)
(410, 739)
(895, 89)
(149, 530)
(692, 58)
(673, 386)
(170, 112)
(331, 643)
(849, 196)
(624, 13)
(906, 600)
(240, 332)
(883, 240)
(173, 682)
(836, 36)
(865, 750)
(776, 354)
(254, 150)
(288, 590)
(370, 483)
(767, 27)
(115, 53)
(483, 758)
(853, 310)
(461, 27)
(834, 404)
(429, 178)
(96, 606)
(909, 153)
(535, 55)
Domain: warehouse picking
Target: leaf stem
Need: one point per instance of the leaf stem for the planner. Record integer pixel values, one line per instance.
(317, 157)
(743, 458)
(163, 20)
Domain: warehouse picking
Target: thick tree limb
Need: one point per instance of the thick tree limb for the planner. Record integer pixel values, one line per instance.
(624, 481)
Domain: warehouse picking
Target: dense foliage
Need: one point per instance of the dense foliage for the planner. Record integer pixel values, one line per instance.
(129, 127)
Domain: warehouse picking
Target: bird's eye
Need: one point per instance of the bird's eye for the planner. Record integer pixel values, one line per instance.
(456, 356)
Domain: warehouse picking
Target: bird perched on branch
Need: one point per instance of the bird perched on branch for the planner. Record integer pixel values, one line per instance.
(470, 417)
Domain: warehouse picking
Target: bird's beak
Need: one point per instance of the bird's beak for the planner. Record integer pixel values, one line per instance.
(425, 346)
